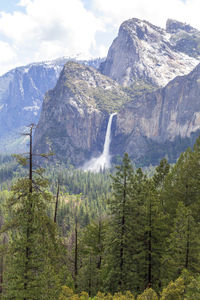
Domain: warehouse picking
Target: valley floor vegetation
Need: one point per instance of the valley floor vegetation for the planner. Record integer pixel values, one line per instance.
(68, 234)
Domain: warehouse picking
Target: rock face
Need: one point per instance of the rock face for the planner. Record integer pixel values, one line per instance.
(21, 96)
(153, 119)
(145, 52)
(151, 124)
(75, 114)
(155, 124)
(184, 38)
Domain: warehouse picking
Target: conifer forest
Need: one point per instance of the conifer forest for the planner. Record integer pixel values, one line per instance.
(126, 233)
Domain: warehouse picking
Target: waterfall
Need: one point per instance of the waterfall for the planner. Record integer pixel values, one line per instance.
(103, 161)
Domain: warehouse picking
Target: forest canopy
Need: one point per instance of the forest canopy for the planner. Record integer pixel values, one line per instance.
(77, 235)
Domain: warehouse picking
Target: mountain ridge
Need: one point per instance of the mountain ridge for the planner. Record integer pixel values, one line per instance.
(21, 95)
(151, 118)
(162, 117)
(144, 51)
(73, 123)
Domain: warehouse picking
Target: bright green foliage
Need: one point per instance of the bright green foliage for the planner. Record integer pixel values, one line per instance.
(99, 296)
(174, 290)
(104, 296)
(120, 296)
(84, 295)
(66, 293)
(129, 295)
(193, 289)
(148, 294)
(192, 285)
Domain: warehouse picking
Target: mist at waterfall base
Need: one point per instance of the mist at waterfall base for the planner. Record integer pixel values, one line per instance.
(102, 162)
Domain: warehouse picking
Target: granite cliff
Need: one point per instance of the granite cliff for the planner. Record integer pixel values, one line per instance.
(146, 52)
(150, 82)
(153, 119)
(152, 125)
(161, 123)
(21, 95)
(184, 38)
(75, 113)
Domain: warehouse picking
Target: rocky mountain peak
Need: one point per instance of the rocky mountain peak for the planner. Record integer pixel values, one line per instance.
(75, 113)
(21, 94)
(77, 73)
(141, 29)
(184, 38)
(145, 52)
(173, 26)
(155, 123)
(85, 85)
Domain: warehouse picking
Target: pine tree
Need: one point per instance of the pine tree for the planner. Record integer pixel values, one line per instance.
(148, 228)
(182, 184)
(157, 225)
(118, 229)
(92, 254)
(33, 248)
(181, 189)
(135, 240)
(183, 245)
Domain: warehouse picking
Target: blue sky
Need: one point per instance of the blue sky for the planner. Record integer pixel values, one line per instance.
(8, 5)
(35, 30)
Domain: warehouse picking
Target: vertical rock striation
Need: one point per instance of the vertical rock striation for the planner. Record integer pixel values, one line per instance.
(144, 52)
(75, 114)
(21, 96)
(151, 124)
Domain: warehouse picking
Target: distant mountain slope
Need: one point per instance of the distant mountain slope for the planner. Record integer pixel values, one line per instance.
(145, 52)
(153, 120)
(161, 123)
(75, 113)
(184, 38)
(21, 95)
(155, 124)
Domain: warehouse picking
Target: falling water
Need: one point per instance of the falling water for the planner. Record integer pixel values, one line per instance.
(103, 161)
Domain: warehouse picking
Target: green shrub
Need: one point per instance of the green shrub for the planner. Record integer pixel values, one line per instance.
(148, 294)
(174, 290)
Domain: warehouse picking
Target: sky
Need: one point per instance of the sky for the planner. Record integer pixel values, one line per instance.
(38, 30)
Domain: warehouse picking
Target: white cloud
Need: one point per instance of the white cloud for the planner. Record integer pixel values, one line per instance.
(155, 11)
(8, 56)
(102, 51)
(51, 28)
(114, 12)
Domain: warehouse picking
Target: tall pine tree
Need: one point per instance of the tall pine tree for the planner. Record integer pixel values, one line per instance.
(33, 247)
